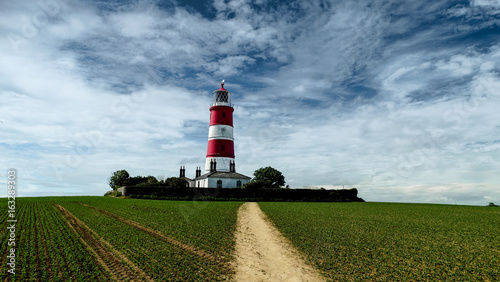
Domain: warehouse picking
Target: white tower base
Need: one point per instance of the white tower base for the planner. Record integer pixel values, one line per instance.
(222, 164)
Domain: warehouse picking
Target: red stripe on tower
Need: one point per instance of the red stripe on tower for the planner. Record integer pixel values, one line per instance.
(220, 148)
(221, 115)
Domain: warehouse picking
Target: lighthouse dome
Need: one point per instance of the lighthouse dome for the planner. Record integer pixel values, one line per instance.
(222, 97)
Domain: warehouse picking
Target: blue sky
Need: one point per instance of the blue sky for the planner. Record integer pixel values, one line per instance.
(397, 98)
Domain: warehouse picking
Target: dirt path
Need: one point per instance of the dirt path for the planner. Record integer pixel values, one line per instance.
(263, 254)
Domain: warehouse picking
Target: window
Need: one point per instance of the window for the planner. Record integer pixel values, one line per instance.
(221, 97)
(223, 114)
(219, 183)
(222, 147)
(238, 183)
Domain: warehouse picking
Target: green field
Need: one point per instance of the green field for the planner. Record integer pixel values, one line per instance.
(383, 241)
(101, 238)
(104, 239)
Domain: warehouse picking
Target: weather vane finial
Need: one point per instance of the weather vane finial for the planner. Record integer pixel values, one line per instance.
(222, 83)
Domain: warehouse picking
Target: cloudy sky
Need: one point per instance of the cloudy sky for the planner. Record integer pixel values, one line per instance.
(397, 98)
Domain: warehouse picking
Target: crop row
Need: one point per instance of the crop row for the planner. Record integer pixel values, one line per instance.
(156, 259)
(47, 248)
(97, 238)
(140, 230)
(206, 225)
(381, 241)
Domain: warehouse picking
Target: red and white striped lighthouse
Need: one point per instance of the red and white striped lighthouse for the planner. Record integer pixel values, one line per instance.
(220, 168)
(220, 151)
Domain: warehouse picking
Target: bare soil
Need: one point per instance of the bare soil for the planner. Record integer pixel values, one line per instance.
(263, 254)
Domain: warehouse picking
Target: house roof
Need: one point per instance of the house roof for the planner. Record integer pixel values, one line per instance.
(222, 174)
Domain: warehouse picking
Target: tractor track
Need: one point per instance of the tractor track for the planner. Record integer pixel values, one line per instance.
(163, 237)
(120, 267)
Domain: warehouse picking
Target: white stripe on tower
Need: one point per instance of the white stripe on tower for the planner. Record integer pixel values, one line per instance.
(220, 131)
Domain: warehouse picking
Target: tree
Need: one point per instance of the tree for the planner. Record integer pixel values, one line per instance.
(266, 177)
(145, 181)
(152, 180)
(135, 180)
(175, 182)
(118, 178)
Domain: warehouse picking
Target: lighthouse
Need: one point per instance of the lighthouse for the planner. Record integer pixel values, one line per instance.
(220, 151)
(220, 165)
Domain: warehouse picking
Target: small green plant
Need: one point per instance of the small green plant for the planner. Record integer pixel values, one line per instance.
(46, 238)
(113, 193)
(393, 242)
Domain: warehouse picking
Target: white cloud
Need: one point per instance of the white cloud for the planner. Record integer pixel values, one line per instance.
(230, 65)
(337, 93)
(487, 3)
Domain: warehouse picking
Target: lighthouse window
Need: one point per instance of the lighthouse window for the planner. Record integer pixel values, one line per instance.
(222, 147)
(222, 97)
(223, 114)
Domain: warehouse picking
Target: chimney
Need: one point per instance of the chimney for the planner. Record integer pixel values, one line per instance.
(213, 165)
(182, 172)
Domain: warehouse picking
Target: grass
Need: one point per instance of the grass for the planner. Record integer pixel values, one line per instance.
(385, 241)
